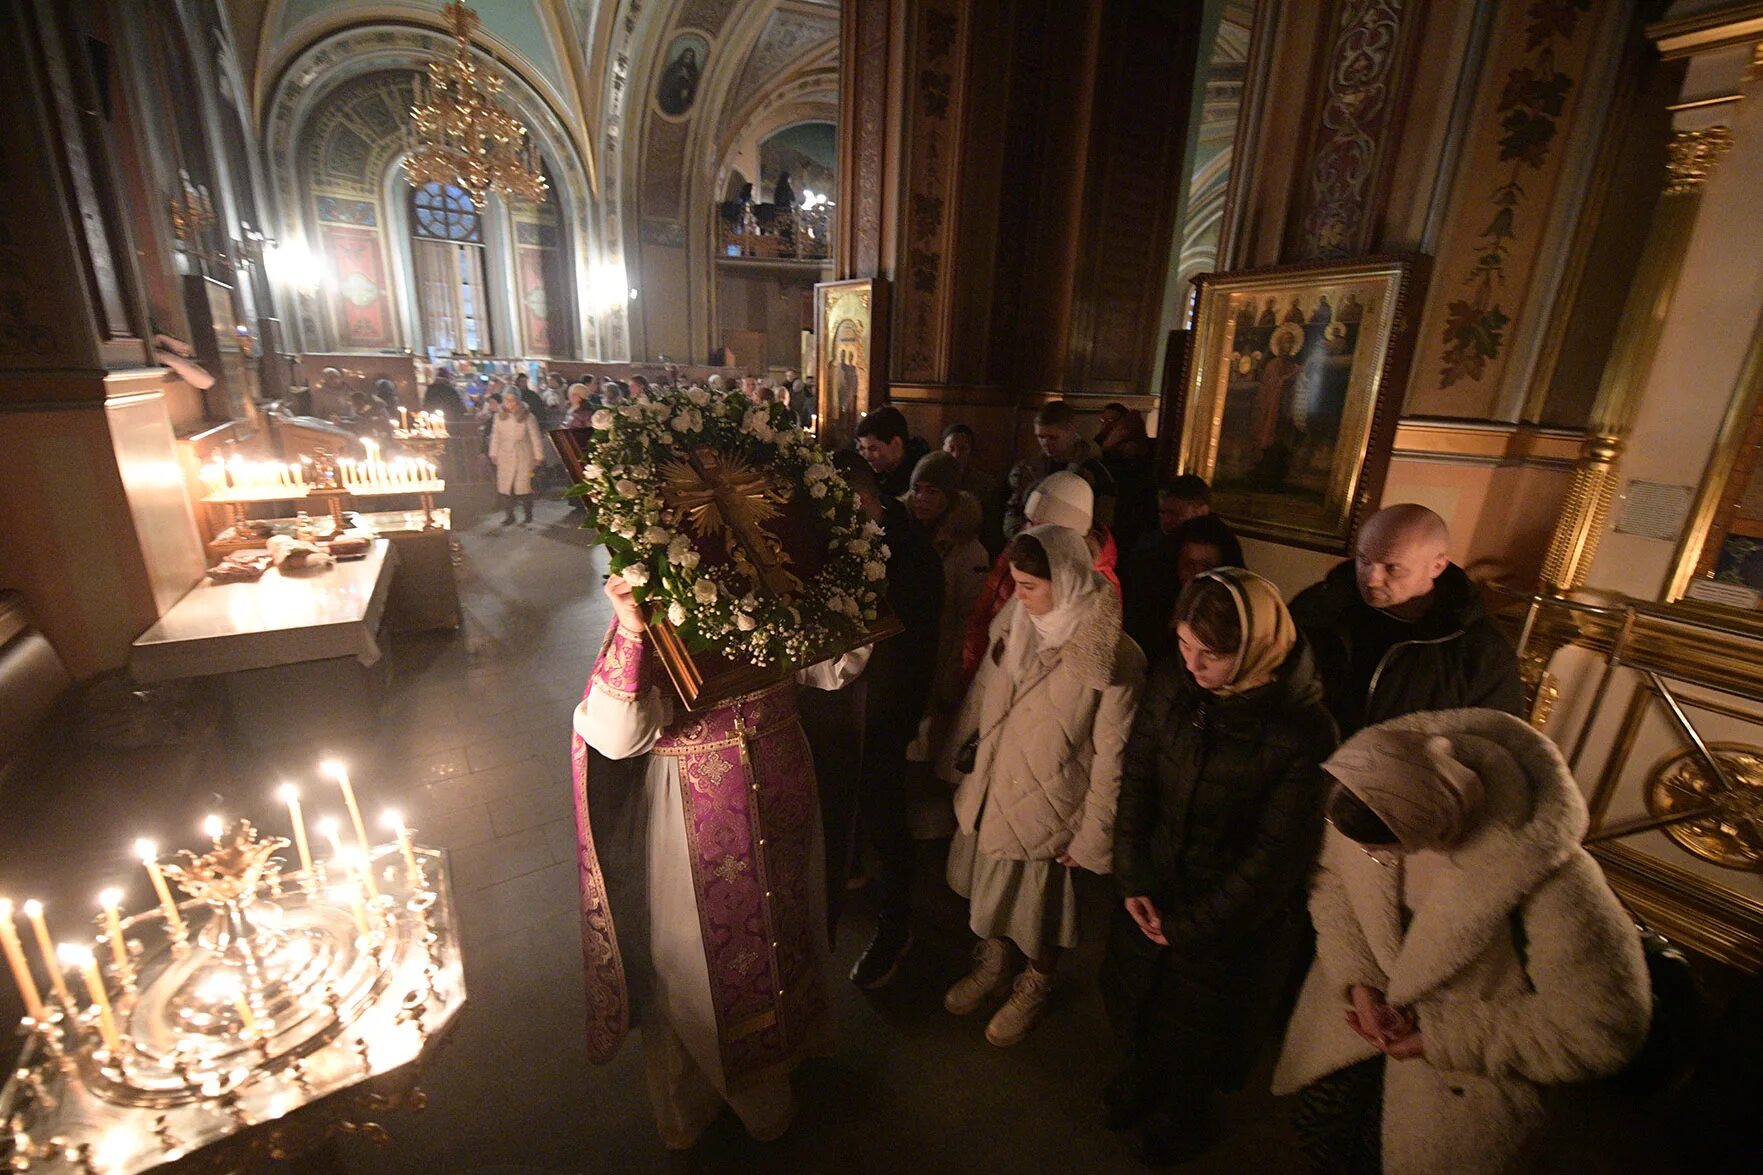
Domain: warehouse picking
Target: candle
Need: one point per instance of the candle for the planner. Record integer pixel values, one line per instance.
(353, 897)
(212, 827)
(291, 797)
(328, 828)
(340, 773)
(33, 910)
(149, 854)
(404, 419)
(241, 1004)
(395, 822)
(81, 959)
(110, 899)
(21, 970)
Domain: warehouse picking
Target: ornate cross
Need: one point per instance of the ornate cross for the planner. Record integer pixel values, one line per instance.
(726, 497)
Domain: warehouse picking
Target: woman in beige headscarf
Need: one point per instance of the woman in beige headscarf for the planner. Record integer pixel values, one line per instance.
(1219, 817)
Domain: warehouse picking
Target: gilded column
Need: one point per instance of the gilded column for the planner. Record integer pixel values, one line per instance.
(1692, 157)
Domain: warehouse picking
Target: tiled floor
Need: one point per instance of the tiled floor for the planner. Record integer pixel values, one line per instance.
(474, 748)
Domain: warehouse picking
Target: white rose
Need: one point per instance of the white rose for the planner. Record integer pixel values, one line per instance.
(875, 570)
(689, 559)
(698, 396)
(676, 614)
(631, 411)
(704, 591)
(817, 490)
(625, 530)
(593, 472)
(871, 530)
(818, 472)
(677, 548)
(636, 574)
(745, 622)
(627, 488)
(602, 419)
(858, 547)
(655, 536)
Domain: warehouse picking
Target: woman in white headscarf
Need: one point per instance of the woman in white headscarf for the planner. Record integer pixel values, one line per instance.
(1047, 719)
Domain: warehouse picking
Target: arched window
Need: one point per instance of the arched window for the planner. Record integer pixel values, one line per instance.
(447, 248)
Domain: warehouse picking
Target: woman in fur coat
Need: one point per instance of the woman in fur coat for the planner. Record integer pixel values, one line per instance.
(1219, 821)
(1049, 711)
(1468, 951)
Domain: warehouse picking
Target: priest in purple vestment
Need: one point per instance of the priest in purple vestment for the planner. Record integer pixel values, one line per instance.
(702, 885)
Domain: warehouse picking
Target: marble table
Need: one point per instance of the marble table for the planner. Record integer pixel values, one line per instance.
(285, 618)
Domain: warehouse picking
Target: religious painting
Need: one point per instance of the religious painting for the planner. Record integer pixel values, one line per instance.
(1720, 561)
(363, 318)
(846, 315)
(1290, 391)
(685, 61)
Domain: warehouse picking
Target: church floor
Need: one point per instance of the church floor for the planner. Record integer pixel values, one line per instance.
(474, 749)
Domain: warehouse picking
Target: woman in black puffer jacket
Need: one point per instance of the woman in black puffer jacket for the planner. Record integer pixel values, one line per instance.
(1218, 825)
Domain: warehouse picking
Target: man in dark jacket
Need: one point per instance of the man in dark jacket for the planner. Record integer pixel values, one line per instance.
(885, 441)
(1061, 448)
(899, 676)
(1401, 629)
(443, 397)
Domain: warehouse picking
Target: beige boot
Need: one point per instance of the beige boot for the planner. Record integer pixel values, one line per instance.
(987, 979)
(1022, 1011)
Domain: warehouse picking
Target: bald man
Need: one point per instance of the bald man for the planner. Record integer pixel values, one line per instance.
(1400, 628)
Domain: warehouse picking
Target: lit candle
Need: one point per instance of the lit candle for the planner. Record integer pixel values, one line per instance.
(352, 895)
(33, 910)
(110, 899)
(82, 960)
(340, 773)
(395, 822)
(291, 797)
(149, 854)
(231, 986)
(21, 970)
(404, 419)
(212, 827)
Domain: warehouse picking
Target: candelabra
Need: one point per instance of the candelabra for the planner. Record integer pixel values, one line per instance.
(262, 993)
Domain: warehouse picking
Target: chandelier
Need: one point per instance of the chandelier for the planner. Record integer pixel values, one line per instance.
(460, 134)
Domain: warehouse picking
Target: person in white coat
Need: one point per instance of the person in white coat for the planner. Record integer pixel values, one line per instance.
(516, 449)
(1468, 951)
(1048, 714)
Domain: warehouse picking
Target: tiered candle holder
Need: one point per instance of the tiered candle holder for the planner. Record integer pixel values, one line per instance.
(274, 991)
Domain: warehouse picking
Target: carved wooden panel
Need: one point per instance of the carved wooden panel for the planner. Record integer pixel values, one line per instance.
(862, 135)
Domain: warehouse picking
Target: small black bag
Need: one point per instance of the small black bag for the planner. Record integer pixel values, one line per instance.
(968, 754)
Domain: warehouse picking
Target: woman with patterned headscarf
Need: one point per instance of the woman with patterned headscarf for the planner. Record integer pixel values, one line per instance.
(1218, 823)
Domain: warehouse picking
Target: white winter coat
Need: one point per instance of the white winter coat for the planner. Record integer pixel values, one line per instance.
(1047, 772)
(1495, 1025)
(517, 448)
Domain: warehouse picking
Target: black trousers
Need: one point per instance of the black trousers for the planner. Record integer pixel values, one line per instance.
(1339, 1120)
(881, 805)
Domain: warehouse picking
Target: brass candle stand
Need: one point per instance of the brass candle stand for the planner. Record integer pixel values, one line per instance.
(289, 988)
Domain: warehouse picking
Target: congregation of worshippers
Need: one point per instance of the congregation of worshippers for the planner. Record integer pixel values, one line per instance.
(1330, 834)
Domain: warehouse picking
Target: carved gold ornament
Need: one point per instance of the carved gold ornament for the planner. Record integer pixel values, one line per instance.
(724, 496)
(1693, 155)
(1731, 834)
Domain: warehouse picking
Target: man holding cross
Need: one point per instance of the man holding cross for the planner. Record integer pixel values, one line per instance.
(702, 882)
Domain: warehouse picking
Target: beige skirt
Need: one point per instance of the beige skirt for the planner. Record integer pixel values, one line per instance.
(1031, 903)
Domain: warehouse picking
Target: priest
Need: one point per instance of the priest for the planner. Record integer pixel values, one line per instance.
(702, 884)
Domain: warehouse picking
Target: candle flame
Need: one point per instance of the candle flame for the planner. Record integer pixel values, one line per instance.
(288, 793)
(147, 851)
(392, 819)
(328, 826)
(212, 827)
(5, 909)
(73, 956)
(332, 767)
(33, 909)
(110, 898)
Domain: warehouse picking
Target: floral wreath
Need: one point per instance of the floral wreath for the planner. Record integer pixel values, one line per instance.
(642, 449)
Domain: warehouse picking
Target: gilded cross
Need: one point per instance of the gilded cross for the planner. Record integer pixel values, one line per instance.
(726, 497)
(730, 868)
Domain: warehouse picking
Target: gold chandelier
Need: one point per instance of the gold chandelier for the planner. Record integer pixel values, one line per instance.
(461, 134)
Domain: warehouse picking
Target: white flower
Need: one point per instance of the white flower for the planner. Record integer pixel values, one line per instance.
(676, 614)
(875, 569)
(602, 419)
(817, 490)
(704, 591)
(657, 536)
(625, 530)
(688, 420)
(745, 622)
(758, 423)
(637, 574)
(698, 396)
(676, 550)
(627, 488)
(818, 472)
(858, 547)
(871, 530)
(593, 471)
(631, 411)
